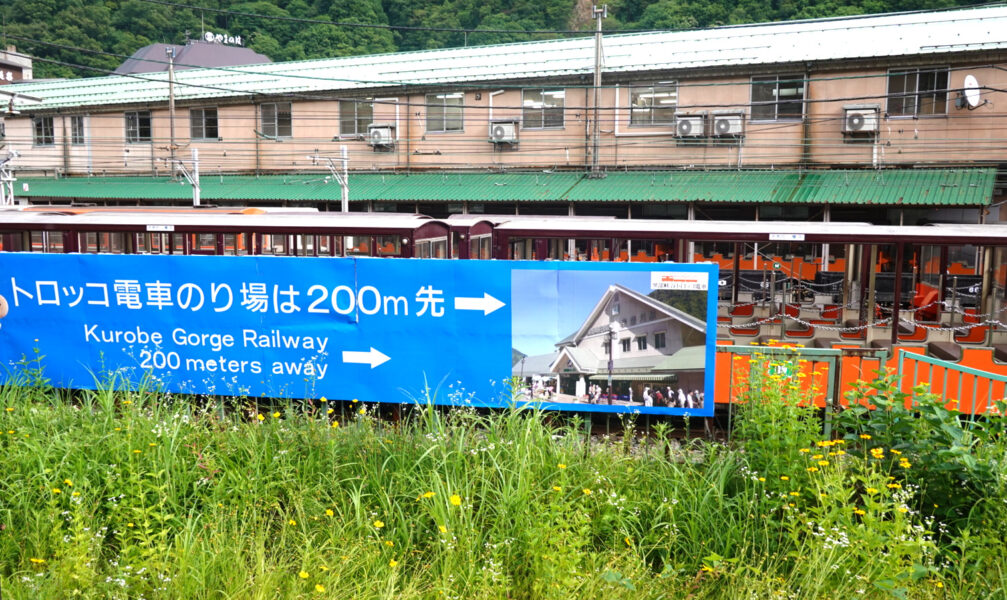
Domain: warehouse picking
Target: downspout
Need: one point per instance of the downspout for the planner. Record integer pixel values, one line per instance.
(805, 123)
(66, 148)
(496, 93)
(397, 136)
(255, 134)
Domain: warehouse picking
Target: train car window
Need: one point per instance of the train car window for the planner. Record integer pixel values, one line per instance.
(557, 250)
(479, 247)
(112, 242)
(390, 245)
(275, 244)
(177, 243)
(439, 248)
(37, 243)
(153, 243)
(522, 249)
(305, 244)
(54, 241)
(88, 243)
(357, 245)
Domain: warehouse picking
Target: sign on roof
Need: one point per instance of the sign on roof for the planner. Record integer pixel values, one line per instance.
(377, 330)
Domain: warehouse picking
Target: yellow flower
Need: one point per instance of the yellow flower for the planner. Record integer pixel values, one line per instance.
(137, 451)
(292, 522)
(335, 424)
(903, 509)
(260, 417)
(330, 411)
(393, 563)
(823, 463)
(127, 402)
(812, 469)
(860, 512)
(68, 482)
(795, 493)
(152, 444)
(442, 529)
(816, 456)
(784, 478)
(894, 486)
(276, 415)
(805, 450)
(129, 524)
(894, 451)
(561, 466)
(707, 568)
(57, 491)
(865, 436)
(329, 513)
(429, 494)
(872, 491)
(362, 411)
(75, 494)
(628, 541)
(10, 409)
(319, 588)
(379, 524)
(456, 500)
(323, 399)
(389, 543)
(303, 575)
(762, 479)
(587, 492)
(355, 401)
(37, 561)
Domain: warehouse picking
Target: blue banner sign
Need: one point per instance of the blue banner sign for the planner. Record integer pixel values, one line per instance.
(611, 337)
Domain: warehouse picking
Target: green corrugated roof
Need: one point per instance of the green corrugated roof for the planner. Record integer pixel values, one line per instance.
(922, 187)
(689, 186)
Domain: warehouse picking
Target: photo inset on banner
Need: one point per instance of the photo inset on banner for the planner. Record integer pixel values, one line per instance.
(613, 340)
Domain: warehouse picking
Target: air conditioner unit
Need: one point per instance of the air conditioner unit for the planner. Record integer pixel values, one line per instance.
(729, 125)
(690, 126)
(503, 132)
(380, 135)
(860, 119)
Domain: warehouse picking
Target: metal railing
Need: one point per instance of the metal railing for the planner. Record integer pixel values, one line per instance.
(974, 390)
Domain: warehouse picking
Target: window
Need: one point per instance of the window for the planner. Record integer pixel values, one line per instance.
(42, 131)
(777, 97)
(444, 112)
(914, 92)
(355, 116)
(653, 104)
(138, 126)
(606, 347)
(659, 340)
(641, 342)
(77, 130)
(276, 120)
(625, 344)
(632, 320)
(203, 124)
(542, 108)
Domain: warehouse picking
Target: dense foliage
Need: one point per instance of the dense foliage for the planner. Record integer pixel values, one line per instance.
(143, 495)
(89, 37)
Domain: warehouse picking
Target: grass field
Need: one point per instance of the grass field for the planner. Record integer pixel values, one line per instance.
(141, 495)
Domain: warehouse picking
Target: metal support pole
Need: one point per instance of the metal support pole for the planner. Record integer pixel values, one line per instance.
(599, 15)
(171, 108)
(195, 177)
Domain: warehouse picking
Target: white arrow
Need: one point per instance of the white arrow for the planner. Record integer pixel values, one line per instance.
(487, 304)
(372, 357)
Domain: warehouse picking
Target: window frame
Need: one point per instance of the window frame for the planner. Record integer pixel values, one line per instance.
(660, 340)
(627, 343)
(776, 102)
(650, 121)
(39, 135)
(641, 342)
(203, 127)
(78, 129)
(918, 95)
(431, 102)
(275, 122)
(543, 111)
(356, 119)
(135, 133)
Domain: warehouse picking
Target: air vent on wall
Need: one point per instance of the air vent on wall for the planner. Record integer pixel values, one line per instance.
(503, 132)
(381, 135)
(861, 119)
(729, 124)
(690, 126)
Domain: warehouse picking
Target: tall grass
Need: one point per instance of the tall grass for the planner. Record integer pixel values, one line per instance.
(142, 495)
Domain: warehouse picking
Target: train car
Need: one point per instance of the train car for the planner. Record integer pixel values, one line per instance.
(936, 291)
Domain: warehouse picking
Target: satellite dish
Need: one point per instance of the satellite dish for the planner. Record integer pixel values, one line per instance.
(971, 91)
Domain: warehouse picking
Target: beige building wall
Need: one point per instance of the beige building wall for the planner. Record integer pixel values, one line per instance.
(956, 136)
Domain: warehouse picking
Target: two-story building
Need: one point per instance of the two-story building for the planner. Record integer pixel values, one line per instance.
(917, 96)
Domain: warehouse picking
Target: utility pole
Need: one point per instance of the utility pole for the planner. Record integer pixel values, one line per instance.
(342, 177)
(599, 15)
(170, 51)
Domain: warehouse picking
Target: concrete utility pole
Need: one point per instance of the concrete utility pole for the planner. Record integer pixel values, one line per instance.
(599, 15)
(171, 106)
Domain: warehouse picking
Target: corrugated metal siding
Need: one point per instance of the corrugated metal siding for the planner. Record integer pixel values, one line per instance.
(930, 187)
(875, 36)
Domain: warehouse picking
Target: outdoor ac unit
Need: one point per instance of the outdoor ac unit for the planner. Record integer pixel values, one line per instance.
(380, 136)
(690, 126)
(729, 125)
(503, 132)
(860, 120)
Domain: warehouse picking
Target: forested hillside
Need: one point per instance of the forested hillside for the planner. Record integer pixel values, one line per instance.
(73, 38)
